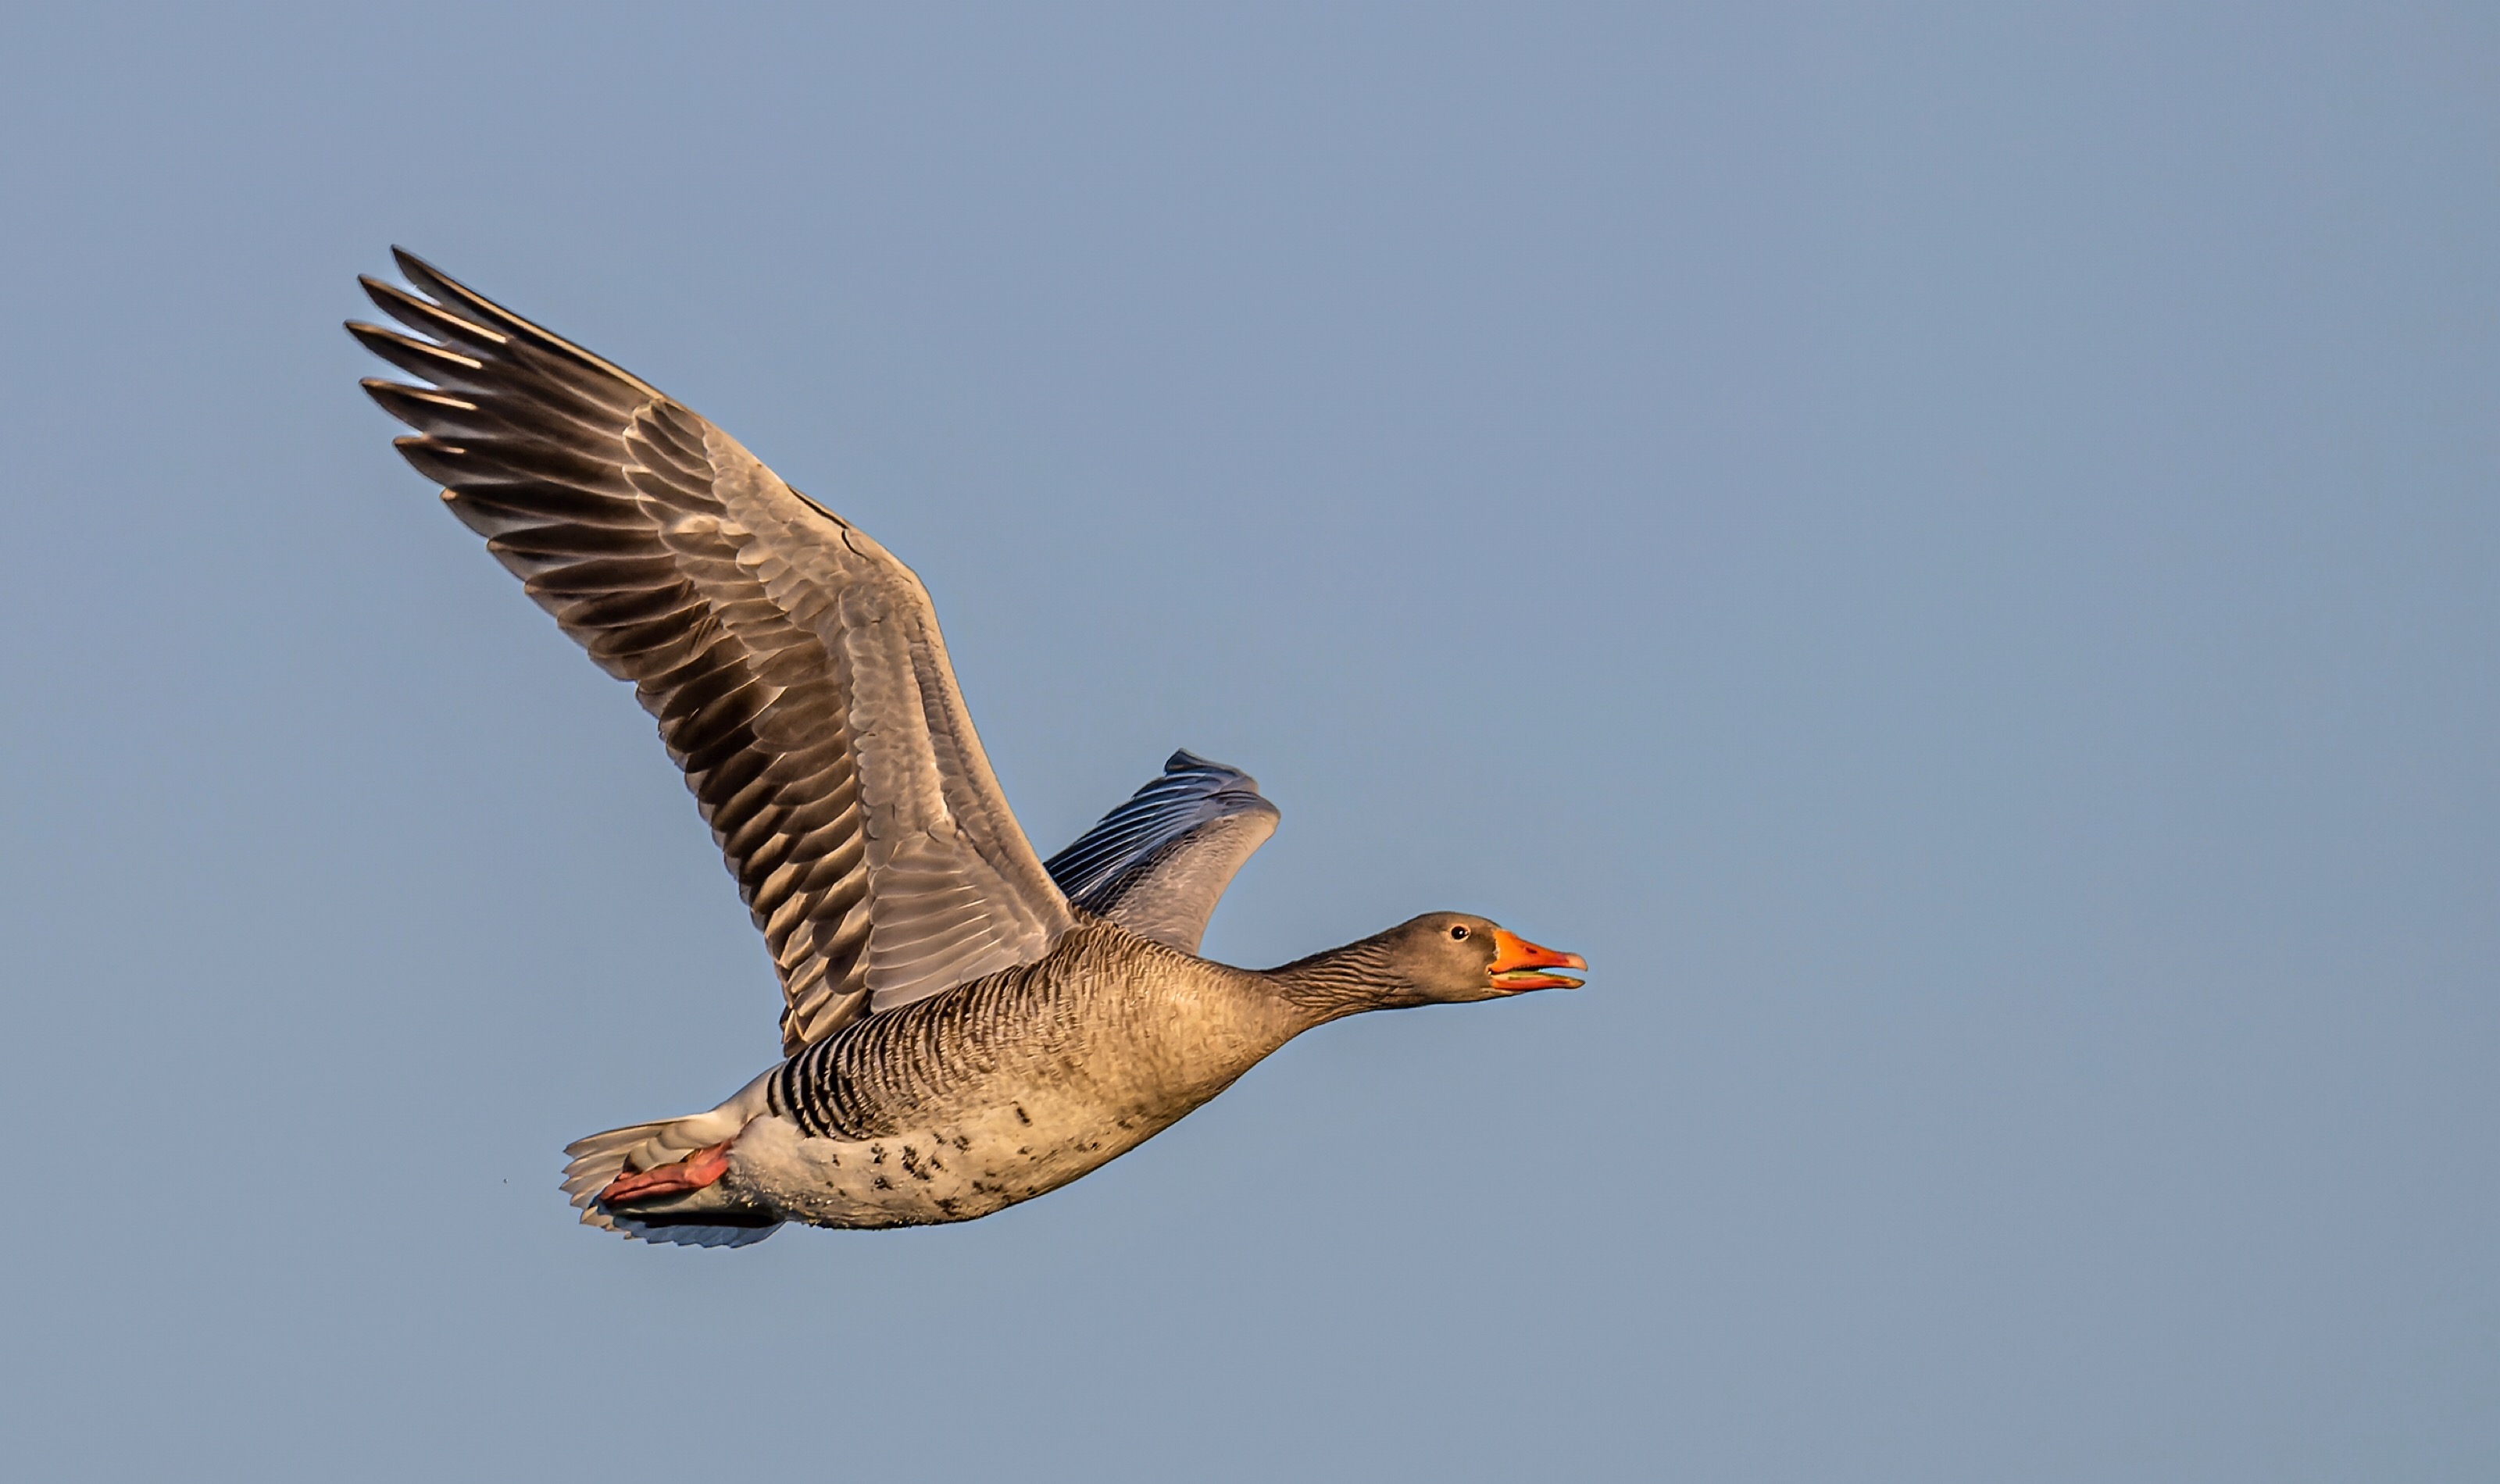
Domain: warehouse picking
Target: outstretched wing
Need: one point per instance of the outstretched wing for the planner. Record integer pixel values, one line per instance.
(795, 668)
(1155, 864)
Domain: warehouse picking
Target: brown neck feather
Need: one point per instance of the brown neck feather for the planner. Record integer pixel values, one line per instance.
(1341, 982)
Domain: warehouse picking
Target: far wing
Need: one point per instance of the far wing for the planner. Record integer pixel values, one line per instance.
(1155, 864)
(794, 665)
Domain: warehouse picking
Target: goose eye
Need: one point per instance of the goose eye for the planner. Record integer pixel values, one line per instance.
(1459, 933)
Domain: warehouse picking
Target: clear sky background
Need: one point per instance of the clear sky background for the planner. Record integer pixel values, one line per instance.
(1952, 551)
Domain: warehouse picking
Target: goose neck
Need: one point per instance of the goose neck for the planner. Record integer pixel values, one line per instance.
(1338, 983)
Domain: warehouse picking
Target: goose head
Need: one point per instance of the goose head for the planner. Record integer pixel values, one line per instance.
(1453, 958)
(1439, 958)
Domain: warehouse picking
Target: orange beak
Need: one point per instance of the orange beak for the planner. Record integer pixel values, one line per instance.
(1516, 960)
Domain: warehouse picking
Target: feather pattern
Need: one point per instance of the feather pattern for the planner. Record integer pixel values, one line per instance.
(1156, 864)
(794, 665)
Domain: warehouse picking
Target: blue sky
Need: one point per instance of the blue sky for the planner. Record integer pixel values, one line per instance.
(1949, 550)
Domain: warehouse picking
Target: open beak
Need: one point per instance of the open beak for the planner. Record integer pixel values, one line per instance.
(1516, 960)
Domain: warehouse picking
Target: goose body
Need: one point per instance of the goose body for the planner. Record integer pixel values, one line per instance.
(1006, 1087)
(964, 1026)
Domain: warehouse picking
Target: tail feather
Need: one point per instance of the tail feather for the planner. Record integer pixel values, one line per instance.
(704, 1218)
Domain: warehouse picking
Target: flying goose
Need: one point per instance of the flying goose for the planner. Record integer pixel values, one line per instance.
(964, 1025)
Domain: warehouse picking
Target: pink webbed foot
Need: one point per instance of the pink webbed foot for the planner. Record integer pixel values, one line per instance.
(692, 1173)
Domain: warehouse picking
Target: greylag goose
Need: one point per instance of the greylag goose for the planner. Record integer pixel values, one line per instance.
(964, 1025)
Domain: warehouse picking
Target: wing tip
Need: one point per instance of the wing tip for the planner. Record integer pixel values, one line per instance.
(1183, 761)
(410, 266)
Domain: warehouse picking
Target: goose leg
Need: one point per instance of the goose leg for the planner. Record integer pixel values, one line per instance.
(692, 1173)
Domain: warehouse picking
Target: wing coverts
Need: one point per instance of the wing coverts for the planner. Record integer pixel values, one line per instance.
(1156, 864)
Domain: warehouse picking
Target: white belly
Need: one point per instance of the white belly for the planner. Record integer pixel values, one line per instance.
(966, 1169)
